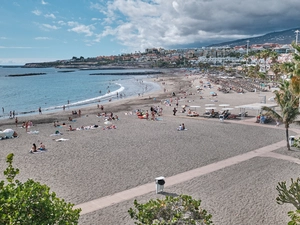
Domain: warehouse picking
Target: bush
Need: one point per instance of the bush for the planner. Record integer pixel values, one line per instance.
(31, 202)
(290, 195)
(171, 210)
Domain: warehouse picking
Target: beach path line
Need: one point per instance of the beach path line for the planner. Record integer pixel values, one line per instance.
(119, 197)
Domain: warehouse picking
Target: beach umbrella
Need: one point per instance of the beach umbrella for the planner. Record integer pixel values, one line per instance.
(224, 105)
(210, 108)
(227, 108)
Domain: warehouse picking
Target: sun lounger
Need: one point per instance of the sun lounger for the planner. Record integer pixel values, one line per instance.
(192, 115)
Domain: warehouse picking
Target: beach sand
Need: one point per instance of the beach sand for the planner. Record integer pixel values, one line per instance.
(99, 162)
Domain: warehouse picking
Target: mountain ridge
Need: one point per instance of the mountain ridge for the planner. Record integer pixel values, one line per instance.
(279, 37)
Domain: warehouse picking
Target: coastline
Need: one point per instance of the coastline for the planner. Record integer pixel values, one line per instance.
(119, 85)
(91, 108)
(100, 162)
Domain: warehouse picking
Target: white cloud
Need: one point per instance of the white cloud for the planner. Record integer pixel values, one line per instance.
(22, 61)
(50, 27)
(50, 16)
(139, 24)
(37, 12)
(80, 28)
(96, 19)
(42, 38)
(14, 47)
(44, 3)
(3, 38)
(62, 23)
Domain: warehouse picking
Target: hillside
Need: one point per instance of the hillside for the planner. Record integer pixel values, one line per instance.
(280, 37)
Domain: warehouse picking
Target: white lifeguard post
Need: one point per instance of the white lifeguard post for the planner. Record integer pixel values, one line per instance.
(159, 184)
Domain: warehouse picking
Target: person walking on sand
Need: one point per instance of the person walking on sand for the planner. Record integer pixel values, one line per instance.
(26, 125)
(174, 111)
(16, 121)
(40, 110)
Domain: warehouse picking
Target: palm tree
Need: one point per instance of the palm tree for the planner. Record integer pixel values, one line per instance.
(288, 104)
(262, 75)
(276, 70)
(273, 56)
(265, 54)
(295, 70)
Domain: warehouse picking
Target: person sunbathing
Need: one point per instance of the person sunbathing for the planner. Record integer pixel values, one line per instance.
(183, 126)
(180, 127)
(33, 148)
(71, 129)
(42, 146)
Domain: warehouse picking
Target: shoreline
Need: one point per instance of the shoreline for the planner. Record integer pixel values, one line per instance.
(91, 108)
(100, 99)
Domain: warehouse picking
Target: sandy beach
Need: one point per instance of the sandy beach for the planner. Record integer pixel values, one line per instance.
(99, 162)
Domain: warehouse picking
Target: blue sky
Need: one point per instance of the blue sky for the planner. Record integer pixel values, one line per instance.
(47, 30)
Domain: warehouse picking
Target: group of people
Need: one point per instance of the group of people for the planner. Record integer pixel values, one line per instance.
(181, 127)
(34, 148)
(145, 114)
(75, 113)
(25, 124)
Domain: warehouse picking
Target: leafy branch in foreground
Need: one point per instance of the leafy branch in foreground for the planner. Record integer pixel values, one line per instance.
(171, 210)
(31, 202)
(290, 195)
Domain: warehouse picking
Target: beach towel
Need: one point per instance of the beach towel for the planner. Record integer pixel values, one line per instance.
(61, 139)
(56, 134)
(38, 151)
(33, 132)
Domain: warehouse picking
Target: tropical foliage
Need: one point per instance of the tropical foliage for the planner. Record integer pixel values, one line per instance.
(31, 202)
(290, 195)
(288, 103)
(171, 210)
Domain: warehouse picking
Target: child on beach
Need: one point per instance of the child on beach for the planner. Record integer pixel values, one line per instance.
(71, 129)
(42, 146)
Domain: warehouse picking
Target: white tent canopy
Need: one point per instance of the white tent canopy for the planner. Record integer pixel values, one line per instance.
(256, 106)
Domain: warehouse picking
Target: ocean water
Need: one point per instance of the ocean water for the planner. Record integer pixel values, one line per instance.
(25, 94)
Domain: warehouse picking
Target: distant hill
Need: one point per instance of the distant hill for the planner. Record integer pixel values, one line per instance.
(280, 37)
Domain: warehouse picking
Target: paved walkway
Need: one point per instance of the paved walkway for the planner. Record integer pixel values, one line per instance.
(116, 198)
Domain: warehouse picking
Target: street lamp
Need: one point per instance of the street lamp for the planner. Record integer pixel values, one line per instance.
(248, 45)
(247, 52)
(297, 32)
